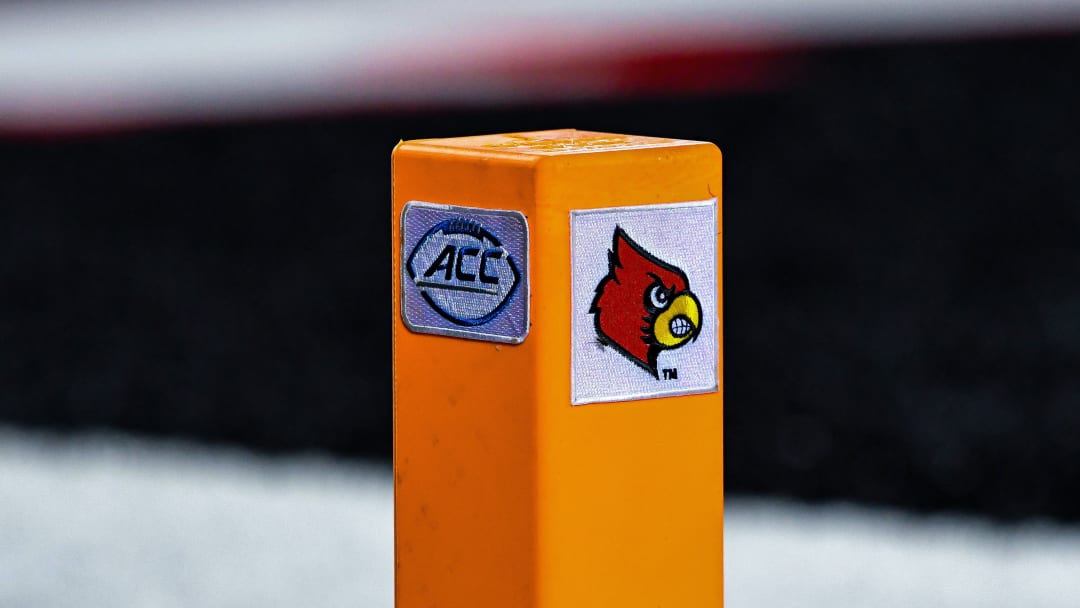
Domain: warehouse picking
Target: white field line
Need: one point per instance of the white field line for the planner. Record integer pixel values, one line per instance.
(105, 520)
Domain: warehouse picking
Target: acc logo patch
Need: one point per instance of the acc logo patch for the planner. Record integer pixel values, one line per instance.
(465, 272)
(645, 320)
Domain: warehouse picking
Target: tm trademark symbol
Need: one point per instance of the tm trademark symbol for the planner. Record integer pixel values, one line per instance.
(670, 373)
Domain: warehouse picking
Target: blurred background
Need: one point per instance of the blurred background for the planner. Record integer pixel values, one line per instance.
(194, 211)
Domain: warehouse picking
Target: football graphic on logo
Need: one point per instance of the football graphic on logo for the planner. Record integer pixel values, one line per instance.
(643, 305)
(463, 272)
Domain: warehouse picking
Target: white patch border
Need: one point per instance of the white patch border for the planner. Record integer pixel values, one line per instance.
(643, 395)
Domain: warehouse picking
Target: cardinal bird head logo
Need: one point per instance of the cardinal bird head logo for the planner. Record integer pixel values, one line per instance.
(643, 305)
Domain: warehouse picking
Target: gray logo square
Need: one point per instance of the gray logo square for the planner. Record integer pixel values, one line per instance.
(465, 272)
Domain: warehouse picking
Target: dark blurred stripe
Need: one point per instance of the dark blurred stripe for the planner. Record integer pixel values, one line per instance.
(902, 255)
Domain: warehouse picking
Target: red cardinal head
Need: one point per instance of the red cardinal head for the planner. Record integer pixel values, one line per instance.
(643, 305)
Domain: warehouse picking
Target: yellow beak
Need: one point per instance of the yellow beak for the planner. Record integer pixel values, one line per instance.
(679, 322)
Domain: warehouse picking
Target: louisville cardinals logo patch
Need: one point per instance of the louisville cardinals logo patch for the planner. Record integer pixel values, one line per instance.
(643, 305)
(645, 299)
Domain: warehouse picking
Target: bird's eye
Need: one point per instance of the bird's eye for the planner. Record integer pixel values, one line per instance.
(659, 297)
